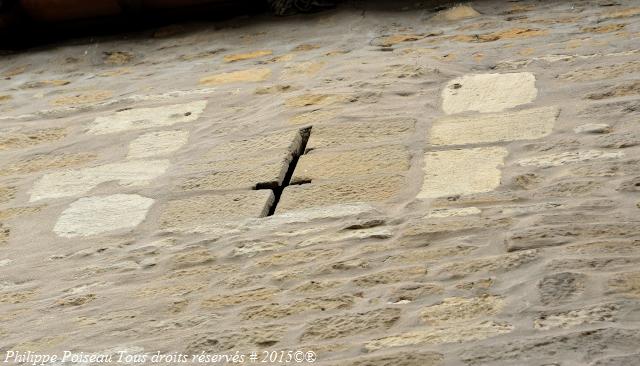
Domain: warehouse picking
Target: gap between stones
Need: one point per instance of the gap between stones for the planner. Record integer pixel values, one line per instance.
(277, 191)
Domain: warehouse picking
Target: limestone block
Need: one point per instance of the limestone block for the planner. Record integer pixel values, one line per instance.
(269, 175)
(258, 147)
(18, 140)
(327, 165)
(460, 172)
(459, 309)
(75, 182)
(141, 118)
(488, 92)
(558, 159)
(495, 127)
(242, 76)
(350, 134)
(102, 214)
(339, 326)
(438, 335)
(199, 212)
(159, 143)
(374, 189)
(491, 264)
(573, 318)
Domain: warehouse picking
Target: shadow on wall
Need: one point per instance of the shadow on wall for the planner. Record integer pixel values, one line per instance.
(29, 23)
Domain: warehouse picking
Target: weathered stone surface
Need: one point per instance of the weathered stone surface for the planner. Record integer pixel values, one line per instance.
(4, 234)
(626, 284)
(278, 311)
(584, 346)
(453, 212)
(573, 318)
(102, 214)
(328, 165)
(340, 326)
(562, 287)
(459, 172)
(602, 72)
(391, 276)
(459, 309)
(239, 298)
(488, 92)
(75, 182)
(270, 175)
(593, 128)
(263, 337)
(18, 140)
(257, 148)
(554, 235)
(160, 143)
(7, 194)
(242, 76)
(40, 162)
(292, 258)
(439, 335)
(397, 359)
(305, 100)
(141, 118)
(412, 292)
(526, 124)
(499, 263)
(551, 160)
(374, 131)
(426, 226)
(377, 188)
(247, 55)
(82, 98)
(200, 212)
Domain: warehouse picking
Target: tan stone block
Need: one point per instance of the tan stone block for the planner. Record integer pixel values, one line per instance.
(496, 127)
(488, 92)
(374, 189)
(340, 326)
(573, 318)
(200, 212)
(247, 56)
(242, 76)
(261, 176)
(40, 162)
(278, 311)
(257, 148)
(238, 298)
(460, 309)
(391, 276)
(498, 263)
(450, 334)
(626, 284)
(328, 165)
(360, 132)
(18, 140)
(460, 172)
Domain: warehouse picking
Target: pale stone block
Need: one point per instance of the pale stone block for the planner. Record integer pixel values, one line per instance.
(488, 92)
(527, 124)
(102, 214)
(76, 182)
(159, 143)
(460, 172)
(141, 118)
